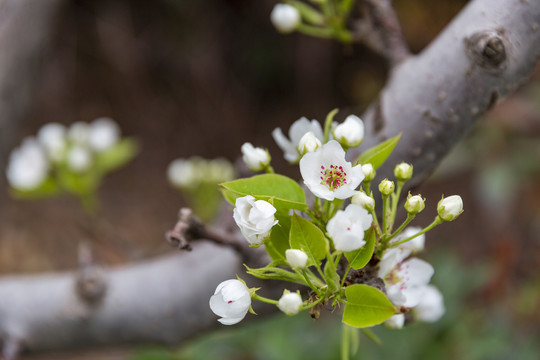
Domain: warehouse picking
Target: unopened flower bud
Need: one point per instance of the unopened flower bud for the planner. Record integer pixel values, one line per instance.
(414, 204)
(79, 159)
(403, 171)
(386, 187)
(296, 258)
(369, 172)
(285, 18)
(351, 132)
(256, 158)
(449, 208)
(363, 200)
(396, 321)
(290, 303)
(308, 143)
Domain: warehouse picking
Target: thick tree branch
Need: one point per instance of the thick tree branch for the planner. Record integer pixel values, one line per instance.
(432, 98)
(380, 30)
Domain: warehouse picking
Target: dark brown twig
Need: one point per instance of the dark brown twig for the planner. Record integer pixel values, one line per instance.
(380, 30)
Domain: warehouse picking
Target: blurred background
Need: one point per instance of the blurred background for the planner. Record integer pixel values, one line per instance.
(201, 77)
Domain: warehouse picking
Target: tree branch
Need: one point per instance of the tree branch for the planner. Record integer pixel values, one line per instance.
(380, 30)
(432, 98)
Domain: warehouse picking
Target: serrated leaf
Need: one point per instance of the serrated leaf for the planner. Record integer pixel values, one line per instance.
(305, 236)
(116, 156)
(283, 192)
(279, 238)
(360, 258)
(378, 154)
(366, 306)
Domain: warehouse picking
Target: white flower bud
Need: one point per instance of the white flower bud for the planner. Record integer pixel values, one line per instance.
(369, 172)
(414, 204)
(296, 258)
(403, 171)
(79, 132)
(450, 208)
(386, 187)
(255, 218)
(28, 166)
(396, 321)
(347, 227)
(290, 303)
(256, 158)
(79, 159)
(52, 137)
(363, 200)
(231, 301)
(351, 132)
(104, 133)
(285, 18)
(308, 143)
(182, 173)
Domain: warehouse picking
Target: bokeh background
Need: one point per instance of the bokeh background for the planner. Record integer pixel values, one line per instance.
(200, 77)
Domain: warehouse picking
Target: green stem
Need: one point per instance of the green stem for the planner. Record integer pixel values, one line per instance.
(306, 307)
(345, 342)
(385, 213)
(263, 299)
(395, 201)
(345, 275)
(435, 222)
(410, 218)
(324, 33)
(376, 221)
(328, 124)
(269, 169)
(308, 281)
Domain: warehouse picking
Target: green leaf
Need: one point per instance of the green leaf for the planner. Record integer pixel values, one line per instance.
(359, 258)
(279, 238)
(116, 156)
(378, 154)
(275, 273)
(366, 306)
(48, 188)
(283, 192)
(309, 238)
(78, 184)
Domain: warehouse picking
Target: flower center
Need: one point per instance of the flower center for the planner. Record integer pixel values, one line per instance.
(333, 177)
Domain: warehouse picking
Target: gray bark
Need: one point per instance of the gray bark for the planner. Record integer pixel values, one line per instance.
(432, 98)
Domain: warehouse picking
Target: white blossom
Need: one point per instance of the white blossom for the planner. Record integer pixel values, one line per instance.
(406, 281)
(290, 303)
(256, 158)
(181, 173)
(104, 133)
(450, 207)
(396, 321)
(365, 201)
(328, 175)
(347, 227)
(52, 137)
(79, 158)
(431, 306)
(309, 142)
(255, 218)
(369, 172)
(296, 258)
(79, 133)
(28, 165)
(297, 130)
(414, 245)
(351, 132)
(231, 301)
(285, 18)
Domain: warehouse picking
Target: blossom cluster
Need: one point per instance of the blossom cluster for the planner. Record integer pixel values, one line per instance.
(56, 145)
(323, 243)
